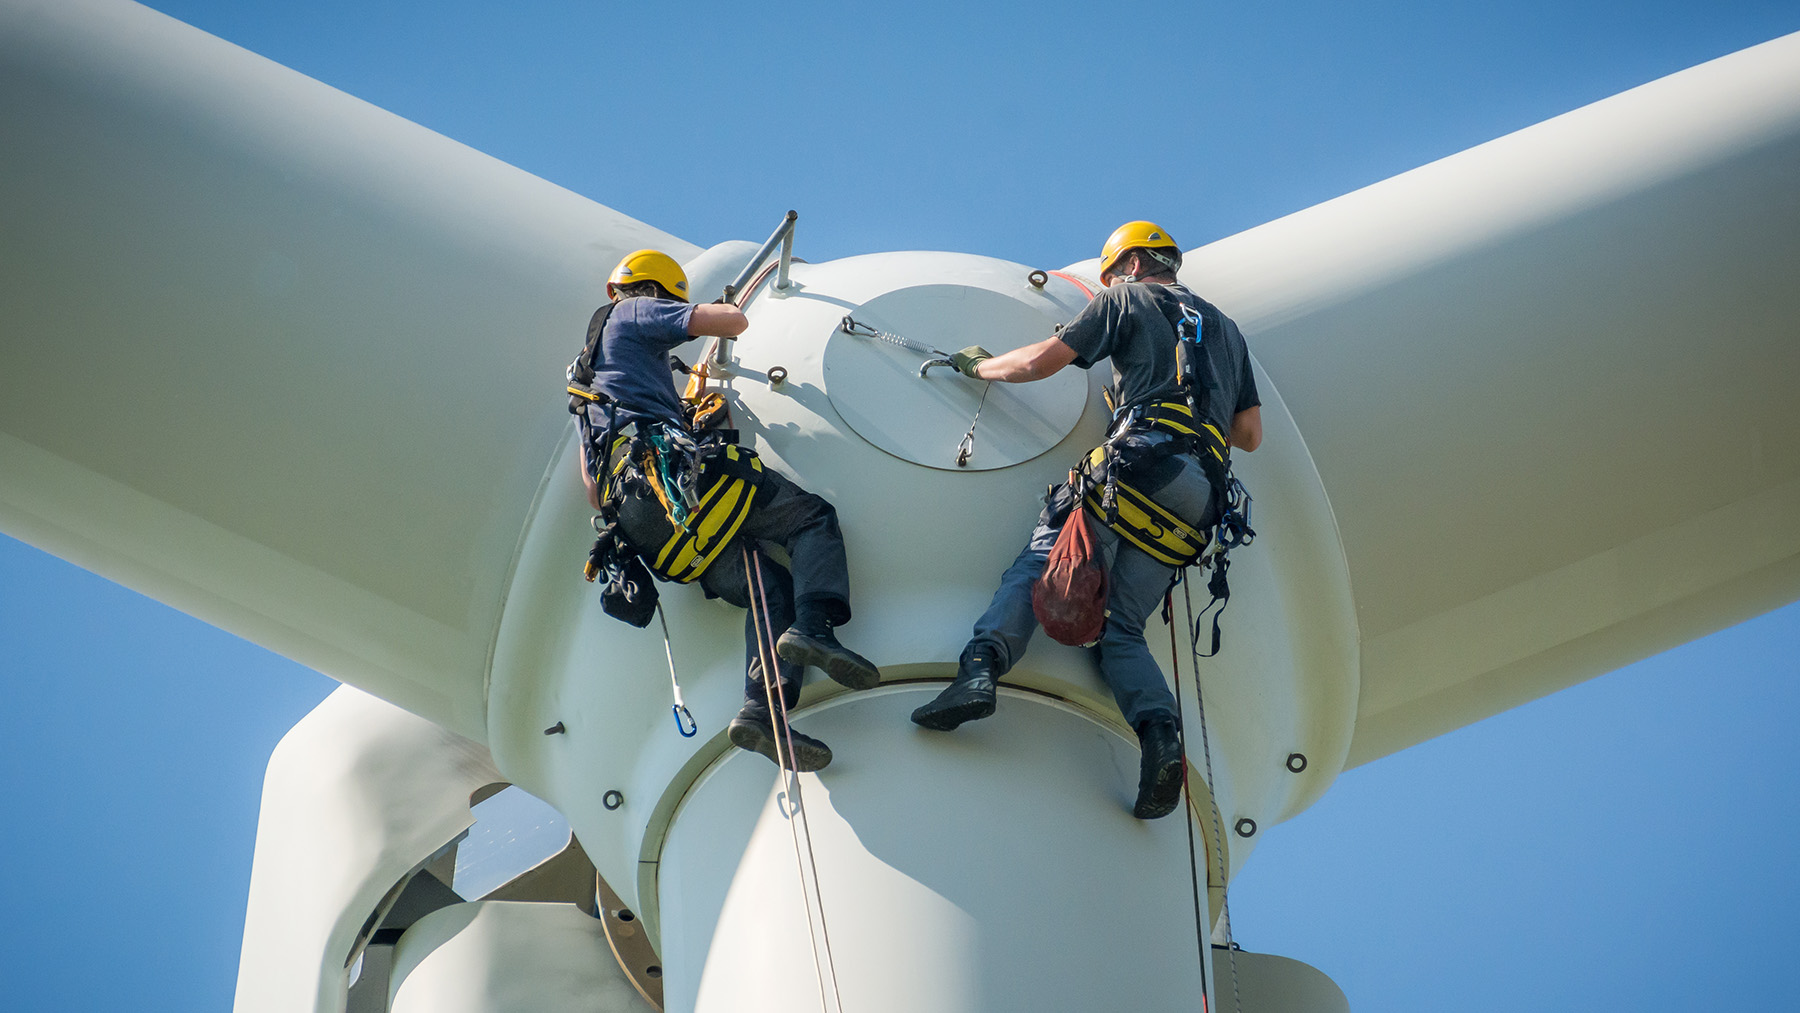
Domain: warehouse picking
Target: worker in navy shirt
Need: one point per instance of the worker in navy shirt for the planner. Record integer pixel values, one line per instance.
(649, 318)
(1130, 325)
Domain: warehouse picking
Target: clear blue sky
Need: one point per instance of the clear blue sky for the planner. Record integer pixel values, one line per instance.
(1626, 844)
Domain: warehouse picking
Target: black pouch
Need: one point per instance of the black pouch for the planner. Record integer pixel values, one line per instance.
(629, 594)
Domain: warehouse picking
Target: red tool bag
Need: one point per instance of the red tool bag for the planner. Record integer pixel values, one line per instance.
(1069, 599)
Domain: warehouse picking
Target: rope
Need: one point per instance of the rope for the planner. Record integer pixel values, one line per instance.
(1201, 936)
(1218, 825)
(790, 781)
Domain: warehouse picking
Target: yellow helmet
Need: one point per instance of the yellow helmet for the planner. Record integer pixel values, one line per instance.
(1131, 236)
(649, 265)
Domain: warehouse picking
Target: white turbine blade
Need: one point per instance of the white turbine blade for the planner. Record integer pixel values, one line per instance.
(1551, 386)
(272, 355)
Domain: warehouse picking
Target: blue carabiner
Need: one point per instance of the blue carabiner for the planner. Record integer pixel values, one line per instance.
(684, 721)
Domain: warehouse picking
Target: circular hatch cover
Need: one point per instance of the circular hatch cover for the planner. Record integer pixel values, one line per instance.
(875, 385)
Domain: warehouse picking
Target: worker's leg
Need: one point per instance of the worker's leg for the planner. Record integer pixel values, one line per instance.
(1001, 634)
(807, 527)
(768, 606)
(1004, 630)
(1138, 585)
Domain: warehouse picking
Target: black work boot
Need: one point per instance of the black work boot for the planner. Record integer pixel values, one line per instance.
(820, 648)
(969, 697)
(753, 730)
(1159, 772)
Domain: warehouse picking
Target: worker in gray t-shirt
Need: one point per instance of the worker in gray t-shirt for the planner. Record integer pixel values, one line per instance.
(1133, 324)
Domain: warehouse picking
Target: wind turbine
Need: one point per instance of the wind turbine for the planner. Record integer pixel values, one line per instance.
(1369, 637)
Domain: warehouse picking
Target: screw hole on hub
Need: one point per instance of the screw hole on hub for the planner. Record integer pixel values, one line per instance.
(1246, 827)
(1296, 762)
(613, 799)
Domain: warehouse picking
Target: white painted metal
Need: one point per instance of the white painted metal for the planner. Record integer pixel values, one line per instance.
(876, 389)
(927, 546)
(340, 341)
(1549, 385)
(1270, 984)
(359, 794)
(934, 853)
(504, 957)
(274, 356)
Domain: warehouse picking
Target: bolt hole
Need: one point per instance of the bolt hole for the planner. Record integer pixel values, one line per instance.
(612, 799)
(624, 914)
(654, 970)
(1296, 762)
(1246, 827)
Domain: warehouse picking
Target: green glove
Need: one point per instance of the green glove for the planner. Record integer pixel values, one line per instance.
(966, 360)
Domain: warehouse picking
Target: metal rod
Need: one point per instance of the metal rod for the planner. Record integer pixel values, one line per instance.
(787, 257)
(782, 232)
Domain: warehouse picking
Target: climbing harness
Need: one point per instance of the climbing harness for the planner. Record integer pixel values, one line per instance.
(1232, 531)
(684, 720)
(799, 828)
(699, 526)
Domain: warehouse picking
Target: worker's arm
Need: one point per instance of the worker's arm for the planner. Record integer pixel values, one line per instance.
(1022, 365)
(593, 487)
(1246, 429)
(717, 320)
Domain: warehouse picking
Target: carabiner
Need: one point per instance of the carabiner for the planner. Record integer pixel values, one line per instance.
(684, 722)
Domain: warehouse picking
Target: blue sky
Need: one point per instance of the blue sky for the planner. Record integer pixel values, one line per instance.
(1626, 844)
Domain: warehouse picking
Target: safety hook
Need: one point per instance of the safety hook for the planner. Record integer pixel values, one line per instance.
(925, 366)
(965, 449)
(684, 721)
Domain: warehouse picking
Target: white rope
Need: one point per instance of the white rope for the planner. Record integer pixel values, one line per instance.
(826, 969)
(1218, 824)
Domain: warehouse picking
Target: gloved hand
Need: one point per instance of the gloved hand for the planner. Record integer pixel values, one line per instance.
(966, 360)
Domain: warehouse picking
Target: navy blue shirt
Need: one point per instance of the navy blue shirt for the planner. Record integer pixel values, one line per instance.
(632, 366)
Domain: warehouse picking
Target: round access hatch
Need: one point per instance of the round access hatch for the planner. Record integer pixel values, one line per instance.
(875, 385)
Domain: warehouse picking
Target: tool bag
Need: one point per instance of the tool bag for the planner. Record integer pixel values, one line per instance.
(1069, 597)
(629, 595)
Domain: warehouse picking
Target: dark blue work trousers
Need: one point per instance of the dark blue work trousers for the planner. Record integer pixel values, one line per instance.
(1138, 583)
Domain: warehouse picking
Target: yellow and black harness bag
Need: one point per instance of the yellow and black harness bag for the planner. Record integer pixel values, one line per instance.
(679, 533)
(1117, 502)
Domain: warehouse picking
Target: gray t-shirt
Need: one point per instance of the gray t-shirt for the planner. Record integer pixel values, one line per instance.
(1131, 324)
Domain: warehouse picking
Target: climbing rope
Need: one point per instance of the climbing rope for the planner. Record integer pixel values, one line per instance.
(1218, 824)
(1201, 936)
(826, 969)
